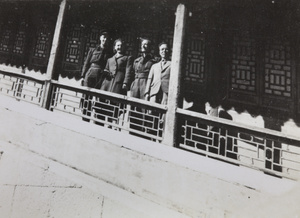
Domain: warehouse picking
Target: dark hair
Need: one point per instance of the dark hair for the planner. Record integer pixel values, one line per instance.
(104, 32)
(115, 42)
(163, 43)
(145, 38)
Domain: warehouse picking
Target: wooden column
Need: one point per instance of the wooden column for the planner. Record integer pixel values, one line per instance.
(53, 53)
(175, 76)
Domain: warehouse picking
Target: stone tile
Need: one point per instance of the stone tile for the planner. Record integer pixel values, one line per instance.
(6, 199)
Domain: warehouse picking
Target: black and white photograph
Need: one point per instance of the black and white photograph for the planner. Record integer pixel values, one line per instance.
(149, 108)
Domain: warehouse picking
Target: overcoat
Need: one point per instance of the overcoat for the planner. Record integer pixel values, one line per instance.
(141, 67)
(158, 80)
(118, 71)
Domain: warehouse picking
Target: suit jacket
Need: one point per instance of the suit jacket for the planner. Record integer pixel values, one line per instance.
(158, 78)
(118, 72)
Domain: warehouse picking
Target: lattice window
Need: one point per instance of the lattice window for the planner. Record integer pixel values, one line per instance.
(6, 36)
(168, 38)
(129, 39)
(195, 58)
(19, 43)
(150, 34)
(93, 39)
(74, 44)
(243, 64)
(278, 69)
(43, 40)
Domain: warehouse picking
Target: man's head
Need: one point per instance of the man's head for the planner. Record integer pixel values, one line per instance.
(118, 46)
(104, 36)
(145, 45)
(163, 50)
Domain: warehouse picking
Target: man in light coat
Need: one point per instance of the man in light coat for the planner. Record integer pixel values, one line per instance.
(157, 87)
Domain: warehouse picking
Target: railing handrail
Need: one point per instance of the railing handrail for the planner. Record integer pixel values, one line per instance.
(110, 95)
(9, 70)
(221, 122)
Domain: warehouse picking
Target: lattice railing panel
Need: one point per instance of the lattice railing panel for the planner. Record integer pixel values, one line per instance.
(25, 89)
(266, 150)
(134, 116)
(8, 84)
(30, 91)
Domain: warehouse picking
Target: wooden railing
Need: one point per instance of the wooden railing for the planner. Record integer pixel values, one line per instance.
(111, 110)
(22, 87)
(267, 150)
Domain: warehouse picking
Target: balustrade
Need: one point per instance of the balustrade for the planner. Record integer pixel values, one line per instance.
(111, 110)
(267, 150)
(22, 87)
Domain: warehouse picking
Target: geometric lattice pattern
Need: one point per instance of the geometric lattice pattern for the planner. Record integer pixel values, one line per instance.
(243, 64)
(270, 152)
(93, 38)
(111, 111)
(150, 34)
(195, 58)
(22, 88)
(167, 37)
(18, 47)
(4, 42)
(278, 69)
(43, 42)
(130, 41)
(74, 41)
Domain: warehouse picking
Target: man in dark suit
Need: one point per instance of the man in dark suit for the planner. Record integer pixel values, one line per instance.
(142, 66)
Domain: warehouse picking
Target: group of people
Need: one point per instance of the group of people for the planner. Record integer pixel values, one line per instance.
(146, 77)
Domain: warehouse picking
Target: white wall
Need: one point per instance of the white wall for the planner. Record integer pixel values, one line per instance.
(56, 166)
